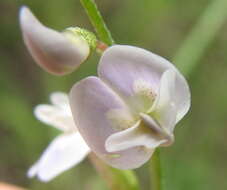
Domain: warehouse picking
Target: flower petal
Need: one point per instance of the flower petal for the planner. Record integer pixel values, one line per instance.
(95, 99)
(137, 135)
(59, 99)
(55, 116)
(121, 66)
(63, 153)
(51, 49)
(164, 109)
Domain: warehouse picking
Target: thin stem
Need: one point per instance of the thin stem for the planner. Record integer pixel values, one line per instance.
(97, 21)
(115, 179)
(187, 59)
(101, 47)
(155, 171)
(207, 27)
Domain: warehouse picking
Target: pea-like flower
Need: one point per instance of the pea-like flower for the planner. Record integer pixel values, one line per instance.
(132, 107)
(66, 150)
(57, 52)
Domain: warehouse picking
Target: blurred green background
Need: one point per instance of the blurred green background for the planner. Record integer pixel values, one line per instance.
(197, 160)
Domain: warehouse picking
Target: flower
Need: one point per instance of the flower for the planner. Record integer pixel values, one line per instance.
(66, 150)
(57, 52)
(132, 107)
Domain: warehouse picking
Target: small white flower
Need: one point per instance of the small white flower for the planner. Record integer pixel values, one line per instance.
(66, 150)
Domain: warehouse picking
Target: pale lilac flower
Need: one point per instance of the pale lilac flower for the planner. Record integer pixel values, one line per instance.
(56, 52)
(132, 107)
(66, 150)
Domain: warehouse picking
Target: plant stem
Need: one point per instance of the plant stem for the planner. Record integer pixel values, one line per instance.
(155, 171)
(188, 56)
(207, 27)
(115, 179)
(97, 21)
(101, 47)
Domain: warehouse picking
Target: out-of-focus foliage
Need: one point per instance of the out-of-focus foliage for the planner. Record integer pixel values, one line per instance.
(198, 158)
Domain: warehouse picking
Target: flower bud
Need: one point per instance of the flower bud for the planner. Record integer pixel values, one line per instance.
(58, 53)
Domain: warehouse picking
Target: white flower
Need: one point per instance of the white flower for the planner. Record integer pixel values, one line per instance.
(132, 107)
(66, 150)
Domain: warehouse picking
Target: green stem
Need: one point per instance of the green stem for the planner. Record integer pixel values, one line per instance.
(188, 56)
(97, 21)
(155, 171)
(115, 179)
(201, 36)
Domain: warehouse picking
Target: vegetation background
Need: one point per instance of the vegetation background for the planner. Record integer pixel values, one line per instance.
(196, 161)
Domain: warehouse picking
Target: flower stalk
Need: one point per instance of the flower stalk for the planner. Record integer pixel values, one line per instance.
(156, 172)
(115, 179)
(187, 59)
(101, 47)
(97, 21)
